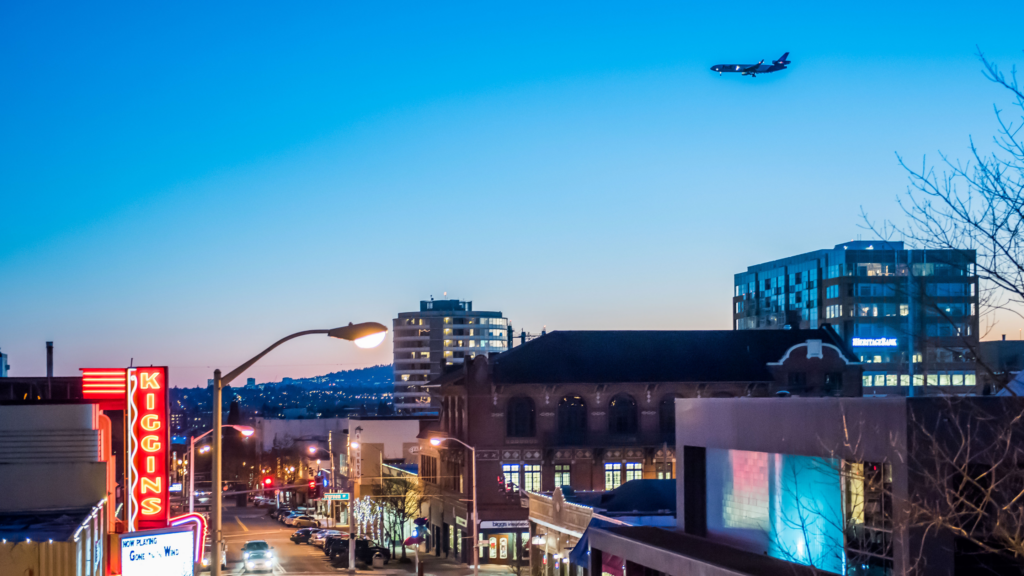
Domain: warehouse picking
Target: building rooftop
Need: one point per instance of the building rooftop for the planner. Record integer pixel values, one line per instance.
(58, 525)
(707, 551)
(447, 305)
(635, 498)
(596, 357)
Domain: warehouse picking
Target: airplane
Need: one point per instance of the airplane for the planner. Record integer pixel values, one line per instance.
(753, 69)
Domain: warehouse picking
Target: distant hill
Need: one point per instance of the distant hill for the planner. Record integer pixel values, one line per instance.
(374, 376)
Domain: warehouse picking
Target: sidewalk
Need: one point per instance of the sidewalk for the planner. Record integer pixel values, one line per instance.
(434, 566)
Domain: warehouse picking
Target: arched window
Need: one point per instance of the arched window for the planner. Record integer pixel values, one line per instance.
(622, 416)
(520, 418)
(667, 415)
(572, 420)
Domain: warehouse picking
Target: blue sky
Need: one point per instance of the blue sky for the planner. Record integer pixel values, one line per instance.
(184, 184)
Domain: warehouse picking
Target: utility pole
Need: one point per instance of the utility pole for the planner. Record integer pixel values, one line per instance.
(215, 488)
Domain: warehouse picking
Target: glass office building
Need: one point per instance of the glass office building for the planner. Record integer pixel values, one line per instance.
(910, 315)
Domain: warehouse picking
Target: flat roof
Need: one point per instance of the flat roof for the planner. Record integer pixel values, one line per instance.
(59, 525)
(704, 550)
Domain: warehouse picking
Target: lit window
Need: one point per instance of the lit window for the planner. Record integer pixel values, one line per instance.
(634, 471)
(562, 475)
(612, 475)
(511, 473)
(664, 470)
(531, 478)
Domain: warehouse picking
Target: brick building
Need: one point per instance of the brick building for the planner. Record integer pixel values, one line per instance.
(591, 410)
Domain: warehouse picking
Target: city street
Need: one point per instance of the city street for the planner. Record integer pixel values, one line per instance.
(244, 524)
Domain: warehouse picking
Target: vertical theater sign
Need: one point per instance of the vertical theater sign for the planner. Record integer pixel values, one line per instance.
(148, 440)
(142, 394)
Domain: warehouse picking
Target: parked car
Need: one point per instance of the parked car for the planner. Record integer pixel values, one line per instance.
(302, 535)
(259, 560)
(331, 541)
(305, 522)
(365, 551)
(289, 520)
(277, 513)
(318, 537)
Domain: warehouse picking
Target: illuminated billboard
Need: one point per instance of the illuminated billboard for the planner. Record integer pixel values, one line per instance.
(147, 442)
(167, 552)
(873, 342)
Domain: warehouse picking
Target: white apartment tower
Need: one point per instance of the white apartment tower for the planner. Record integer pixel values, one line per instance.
(442, 332)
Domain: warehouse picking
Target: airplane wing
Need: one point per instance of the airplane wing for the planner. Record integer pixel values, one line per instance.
(754, 67)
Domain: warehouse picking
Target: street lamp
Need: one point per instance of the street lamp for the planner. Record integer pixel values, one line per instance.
(436, 441)
(245, 430)
(364, 335)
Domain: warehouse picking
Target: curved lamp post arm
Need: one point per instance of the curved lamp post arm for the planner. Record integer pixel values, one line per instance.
(227, 378)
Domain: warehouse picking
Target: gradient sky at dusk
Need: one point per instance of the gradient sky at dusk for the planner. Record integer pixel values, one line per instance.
(184, 184)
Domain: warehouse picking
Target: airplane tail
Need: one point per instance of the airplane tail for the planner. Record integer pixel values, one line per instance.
(782, 59)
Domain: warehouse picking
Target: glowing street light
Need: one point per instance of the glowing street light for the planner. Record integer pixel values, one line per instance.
(437, 441)
(245, 430)
(364, 335)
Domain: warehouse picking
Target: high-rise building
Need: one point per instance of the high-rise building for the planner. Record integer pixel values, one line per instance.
(442, 332)
(889, 304)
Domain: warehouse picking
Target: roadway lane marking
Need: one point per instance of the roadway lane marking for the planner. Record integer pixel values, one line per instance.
(239, 520)
(283, 534)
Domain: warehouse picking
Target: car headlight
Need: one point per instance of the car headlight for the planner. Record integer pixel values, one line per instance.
(251, 564)
(245, 555)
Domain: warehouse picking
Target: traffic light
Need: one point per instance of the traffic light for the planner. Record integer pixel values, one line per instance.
(313, 490)
(268, 482)
(501, 483)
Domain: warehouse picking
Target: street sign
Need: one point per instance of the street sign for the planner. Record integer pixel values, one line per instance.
(336, 496)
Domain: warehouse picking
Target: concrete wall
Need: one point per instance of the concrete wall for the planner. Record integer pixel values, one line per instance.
(39, 558)
(871, 429)
(51, 486)
(50, 457)
(284, 432)
(855, 429)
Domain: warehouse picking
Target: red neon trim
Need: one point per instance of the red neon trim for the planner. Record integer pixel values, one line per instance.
(200, 534)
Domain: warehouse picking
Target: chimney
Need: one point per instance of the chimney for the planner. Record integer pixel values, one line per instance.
(1004, 337)
(49, 362)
